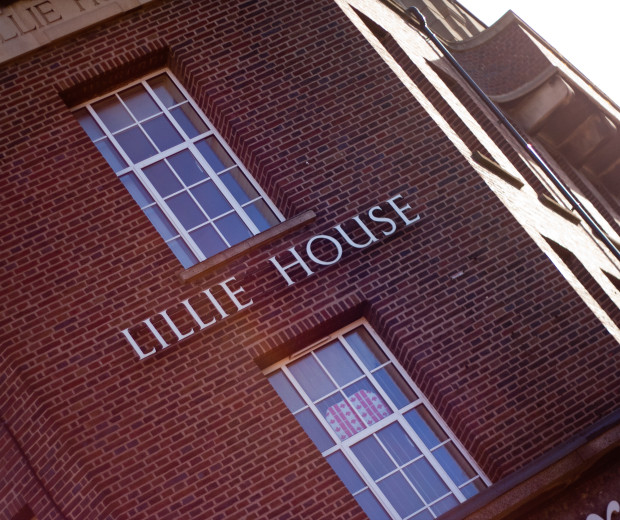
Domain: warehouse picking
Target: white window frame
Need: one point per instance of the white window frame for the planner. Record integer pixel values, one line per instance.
(189, 144)
(396, 415)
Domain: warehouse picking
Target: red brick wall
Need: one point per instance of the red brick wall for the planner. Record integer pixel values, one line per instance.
(506, 351)
(20, 490)
(504, 63)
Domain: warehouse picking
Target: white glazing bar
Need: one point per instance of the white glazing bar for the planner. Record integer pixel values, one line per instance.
(223, 189)
(186, 144)
(311, 405)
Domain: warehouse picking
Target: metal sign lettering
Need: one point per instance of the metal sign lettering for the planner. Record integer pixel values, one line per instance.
(612, 507)
(152, 338)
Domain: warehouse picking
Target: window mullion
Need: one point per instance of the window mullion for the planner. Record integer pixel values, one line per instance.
(183, 145)
(399, 468)
(410, 406)
(166, 112)
(193, 104)
(217, 230)
(340, 390)
(227, 148)
(311, 406)
(369, 374)
(209, 220)
(112, 139)
(119, 159)
(161, 204)
(238, 209)
(426, 403)
(369, 430)
(137, 124)
(448, 488)
(223, 189)
(369, 481)
(431, 458)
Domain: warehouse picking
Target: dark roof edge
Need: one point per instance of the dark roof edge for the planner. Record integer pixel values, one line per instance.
(562, 464)
(505, 20)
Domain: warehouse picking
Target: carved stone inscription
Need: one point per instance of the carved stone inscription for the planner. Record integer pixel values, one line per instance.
(26, 25)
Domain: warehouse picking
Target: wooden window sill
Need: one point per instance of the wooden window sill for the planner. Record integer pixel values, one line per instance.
(267, 236)
(548, 202)
(495, 168)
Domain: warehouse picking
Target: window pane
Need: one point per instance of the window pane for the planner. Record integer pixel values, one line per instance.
(139, 102)
(135, 144)
(161, 131)
(111, 155)
(186, 210)
(239, 186)
(182, 252)
(161, 223)
(424, 515)
(473, 488)
(189, 120)
(454, 464)
(397, 490)
(215, 154)
(314, 429)
(367, 402)
(426, 427)
(345, 471)
(138, 192)
(398, 443)
(261, 214)
(394, 386)
(187, 167)
(166, 91)
(311, 377)
(445, 505)
(211, 199)
(89, 125)
(233, 229)
(146, 121)
(373, 457)
(426, 480)
(377, 455)
(113, 114)
(366, 349)
(162, 178)
(207, 239)
(340, 416)
(371, 506)
(338, 363)
(286, 391)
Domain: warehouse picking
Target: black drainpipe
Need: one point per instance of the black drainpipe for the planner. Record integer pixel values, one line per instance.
(583, 213)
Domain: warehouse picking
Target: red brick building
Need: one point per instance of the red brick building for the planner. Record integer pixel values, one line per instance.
(329, 284)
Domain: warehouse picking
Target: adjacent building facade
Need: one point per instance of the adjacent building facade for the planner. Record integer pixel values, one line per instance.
(281, 260)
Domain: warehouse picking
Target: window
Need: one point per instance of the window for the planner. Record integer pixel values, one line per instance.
(374, 428)
(177, 168)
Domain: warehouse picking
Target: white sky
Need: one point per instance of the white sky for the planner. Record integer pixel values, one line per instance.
(586, 33)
